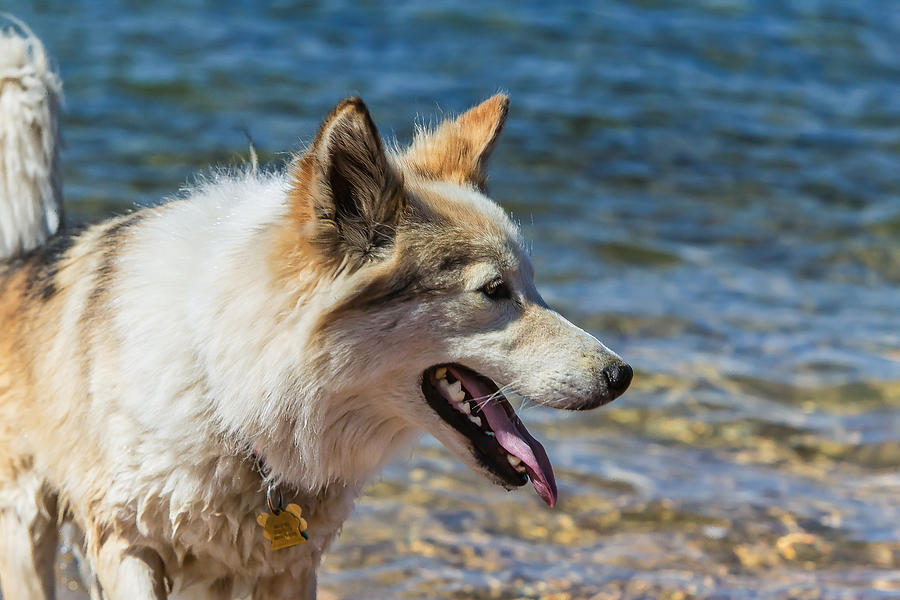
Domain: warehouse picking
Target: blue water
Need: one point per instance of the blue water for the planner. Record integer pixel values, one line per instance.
(712, 187)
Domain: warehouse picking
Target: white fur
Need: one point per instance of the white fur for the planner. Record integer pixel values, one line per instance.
(192, 275)
(30, 94)
(182, 392)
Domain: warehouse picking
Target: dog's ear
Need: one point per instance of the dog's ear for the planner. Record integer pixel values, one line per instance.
(344, 188)
(457, 150)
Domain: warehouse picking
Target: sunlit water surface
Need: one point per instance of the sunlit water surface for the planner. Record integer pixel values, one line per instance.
(712, 188)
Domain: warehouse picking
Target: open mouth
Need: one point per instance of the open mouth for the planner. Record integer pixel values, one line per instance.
(475, 407)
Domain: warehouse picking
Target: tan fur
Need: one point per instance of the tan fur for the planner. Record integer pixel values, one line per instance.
(457, 151)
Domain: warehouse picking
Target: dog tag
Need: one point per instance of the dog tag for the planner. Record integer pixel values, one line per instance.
(285, 529)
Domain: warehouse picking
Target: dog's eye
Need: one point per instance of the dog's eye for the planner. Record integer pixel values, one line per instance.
(496, 290)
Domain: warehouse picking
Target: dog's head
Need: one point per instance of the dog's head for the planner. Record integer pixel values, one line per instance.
(432, 313)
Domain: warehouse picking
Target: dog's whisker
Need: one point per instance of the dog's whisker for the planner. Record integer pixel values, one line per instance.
(483, 401)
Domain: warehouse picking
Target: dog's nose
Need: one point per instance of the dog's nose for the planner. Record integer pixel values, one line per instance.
(618, 378)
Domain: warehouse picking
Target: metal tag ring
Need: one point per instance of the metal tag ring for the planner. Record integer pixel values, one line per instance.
(274, 507)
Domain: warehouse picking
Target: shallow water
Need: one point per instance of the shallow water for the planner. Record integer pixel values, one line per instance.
(711, 187)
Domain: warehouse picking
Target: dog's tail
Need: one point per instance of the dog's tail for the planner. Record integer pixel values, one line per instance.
(30, 180)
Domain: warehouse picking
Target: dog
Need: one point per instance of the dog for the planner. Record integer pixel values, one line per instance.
(181, 381)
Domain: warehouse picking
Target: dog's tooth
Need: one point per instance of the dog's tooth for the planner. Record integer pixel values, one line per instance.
(456, 392)
(444, 387)
(441, 373)
(476, 420)
(521, 469)
(464, 406)
(514, 460)
(456, 389)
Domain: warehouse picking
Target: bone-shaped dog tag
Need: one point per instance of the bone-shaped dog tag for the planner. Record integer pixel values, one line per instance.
(285, 528)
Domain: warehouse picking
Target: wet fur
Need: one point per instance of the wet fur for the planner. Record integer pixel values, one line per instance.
(146, 361)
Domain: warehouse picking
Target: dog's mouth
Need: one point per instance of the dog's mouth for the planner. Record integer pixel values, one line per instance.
(475, 407)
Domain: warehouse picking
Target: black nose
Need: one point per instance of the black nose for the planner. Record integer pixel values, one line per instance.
(618, 378)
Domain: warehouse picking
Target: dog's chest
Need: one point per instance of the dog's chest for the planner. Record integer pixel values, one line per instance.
(223, 543)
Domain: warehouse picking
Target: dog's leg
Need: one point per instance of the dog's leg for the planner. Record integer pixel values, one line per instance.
(28, 536)
(129, 572)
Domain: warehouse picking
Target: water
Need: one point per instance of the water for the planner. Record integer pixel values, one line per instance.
(712, 187)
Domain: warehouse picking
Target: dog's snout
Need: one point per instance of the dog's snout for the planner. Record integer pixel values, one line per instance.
(584, 376)
(618, 378)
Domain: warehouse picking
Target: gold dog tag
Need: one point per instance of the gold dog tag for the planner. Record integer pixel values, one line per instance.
(285, 529)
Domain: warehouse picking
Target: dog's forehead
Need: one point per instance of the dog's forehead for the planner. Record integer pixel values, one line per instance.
(462, 226)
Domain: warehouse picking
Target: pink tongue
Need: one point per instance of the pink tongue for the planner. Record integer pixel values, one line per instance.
(516, 440)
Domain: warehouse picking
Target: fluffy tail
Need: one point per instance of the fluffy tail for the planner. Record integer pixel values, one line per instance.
(30, 180)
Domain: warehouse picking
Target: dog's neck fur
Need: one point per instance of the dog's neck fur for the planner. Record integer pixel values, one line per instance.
(197, 398)
(302, 428)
